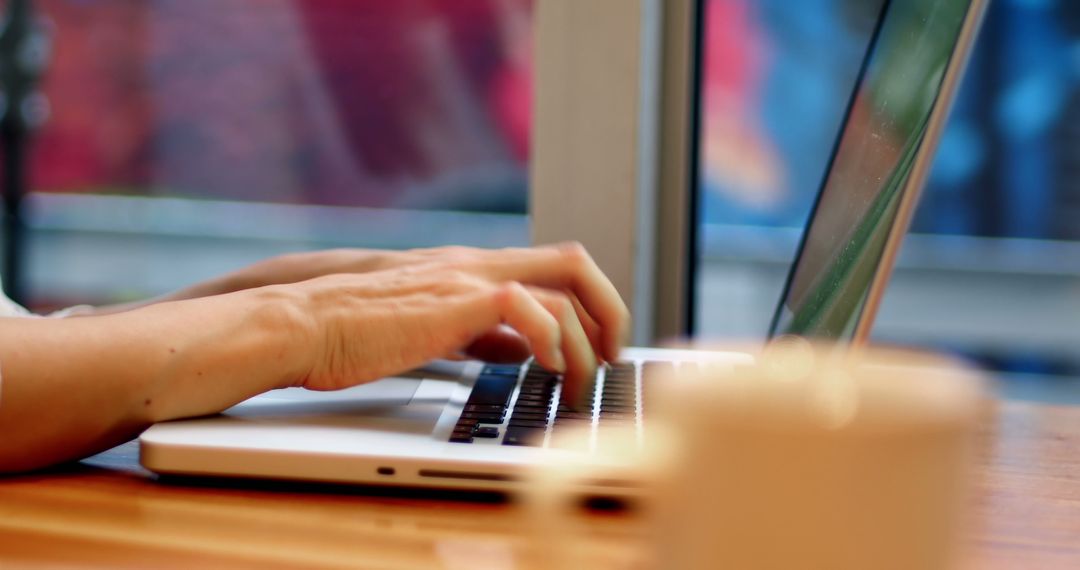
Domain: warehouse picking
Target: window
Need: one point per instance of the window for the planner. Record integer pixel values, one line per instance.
(188, 138)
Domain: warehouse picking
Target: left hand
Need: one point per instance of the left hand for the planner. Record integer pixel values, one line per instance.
(501, 344)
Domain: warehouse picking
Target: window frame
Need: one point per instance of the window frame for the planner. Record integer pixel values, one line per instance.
(614, 172)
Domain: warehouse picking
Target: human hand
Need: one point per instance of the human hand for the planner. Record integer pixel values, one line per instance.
(551, 301)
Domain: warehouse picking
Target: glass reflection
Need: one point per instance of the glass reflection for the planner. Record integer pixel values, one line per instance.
(885, 130)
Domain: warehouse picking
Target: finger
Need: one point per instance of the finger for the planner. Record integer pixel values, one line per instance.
(581, 361)
(592, 329)
(502, 345)
(430, 318)
(476, 307)
(511, 304)
(568, 267)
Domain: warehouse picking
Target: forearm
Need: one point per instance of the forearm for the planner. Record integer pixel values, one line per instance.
(71, 387)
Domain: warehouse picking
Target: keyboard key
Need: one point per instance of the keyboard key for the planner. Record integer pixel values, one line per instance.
(545, 392)
(535, 400)
(528, 416)
(523, 436)
(629, 395)
(502, 370)
(485, 408)
(492, 390)
(541, 387)
(483, 418)
(486, 432)
(615, 392)
(542, 414)
(628, 388)
(574, 415)
(528, 423)
(536, 405)
(461, 435)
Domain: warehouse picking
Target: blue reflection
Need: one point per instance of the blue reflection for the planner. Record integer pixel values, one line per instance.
(1006, 166)
(813, 50)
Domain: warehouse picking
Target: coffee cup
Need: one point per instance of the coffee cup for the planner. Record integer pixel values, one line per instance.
(812, 457)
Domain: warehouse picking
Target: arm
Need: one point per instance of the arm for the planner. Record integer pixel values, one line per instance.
(72, 387)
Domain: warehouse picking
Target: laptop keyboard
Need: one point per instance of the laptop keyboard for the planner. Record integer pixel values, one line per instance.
(519, 404)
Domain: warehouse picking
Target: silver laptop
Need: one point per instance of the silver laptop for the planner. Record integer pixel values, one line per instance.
(478, 426)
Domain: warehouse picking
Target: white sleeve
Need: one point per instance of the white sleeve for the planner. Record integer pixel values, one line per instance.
(9, 308)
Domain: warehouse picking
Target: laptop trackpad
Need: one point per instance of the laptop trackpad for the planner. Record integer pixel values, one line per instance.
(401, 405)
(387, 392)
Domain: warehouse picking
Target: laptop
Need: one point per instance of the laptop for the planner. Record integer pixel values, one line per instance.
(477, 426)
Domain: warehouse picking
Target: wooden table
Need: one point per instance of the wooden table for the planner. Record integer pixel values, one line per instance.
(107, 512)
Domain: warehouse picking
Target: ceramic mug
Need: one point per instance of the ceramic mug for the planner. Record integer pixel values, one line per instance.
(812, 458)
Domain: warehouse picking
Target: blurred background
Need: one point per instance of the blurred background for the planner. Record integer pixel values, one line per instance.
(185, 138)
(189, 137)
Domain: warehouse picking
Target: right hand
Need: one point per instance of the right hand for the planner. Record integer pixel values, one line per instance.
(551, 301)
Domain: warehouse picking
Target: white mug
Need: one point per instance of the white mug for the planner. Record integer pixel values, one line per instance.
(812, 458)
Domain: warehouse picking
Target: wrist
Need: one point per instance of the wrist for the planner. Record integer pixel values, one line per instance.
(220, 351)
(284, 316)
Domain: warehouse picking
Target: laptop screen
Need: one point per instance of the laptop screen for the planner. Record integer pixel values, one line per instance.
(887, 123)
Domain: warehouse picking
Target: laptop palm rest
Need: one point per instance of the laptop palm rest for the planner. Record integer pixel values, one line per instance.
(391, 405)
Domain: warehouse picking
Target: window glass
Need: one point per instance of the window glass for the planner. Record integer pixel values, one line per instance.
(188, 137)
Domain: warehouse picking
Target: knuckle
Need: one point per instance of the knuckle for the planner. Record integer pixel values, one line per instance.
(507, 294)
(564, 307)
(575, 254)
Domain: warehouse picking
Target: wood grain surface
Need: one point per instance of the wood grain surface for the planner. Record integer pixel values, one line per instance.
(106, 512)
